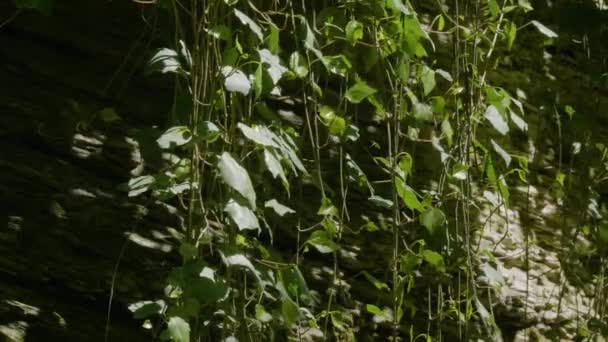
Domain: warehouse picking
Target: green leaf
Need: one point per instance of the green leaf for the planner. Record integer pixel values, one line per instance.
(272, 39)
(297, 63)
(209, 131)
(178, 329)
(232, 257)
(354, 31)
(413, 34)
(236, 81)
(339, 65)
(359, 92)
(397, 4)
(245, 20)
(494, 9)
(278, 208)
(147, 308)
(261, 314)
(377, 283)
(408, 196)
(290, 311)
(374, 310)
(433, 220)
(108, 115)
(43, 6)
(496, 119)
(220, 32)
(460, 171)
(174, 136)
(242, 216)
(188, 251)
(321, 240)
(236, 177)
(511, 34)
(544, 29)
(422, 112)
(428, 79)
(433, 258)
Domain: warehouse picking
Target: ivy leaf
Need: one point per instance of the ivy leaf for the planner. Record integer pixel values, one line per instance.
(496, 120)
(354, 31)
(209, 131)
(275, 69)
(408, 196)
(428, 79)
(234, 258)
(290, 311)
(422, 112)
(494, 8)
(147, 308)
(413, 34)
(359, 92)
(278, 208)
(174, 136)
(272, 39)
(322, 242)
(511, 34)
(261, 314)
(400, 6)
(544, 29)
(339, 65)
(257, 135)
(178, 329)
(377, 283)
(297, 63)
(220, 32)
(242, 216)
(434, 259)
(433, 219)
(236, 177)
(504, 154)
(519, 122)
(164, 61)
(236, 81)
(245, 20)
(381, 202)
(274, 166)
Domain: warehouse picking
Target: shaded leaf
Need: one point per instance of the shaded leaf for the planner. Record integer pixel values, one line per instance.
(322, 242)
(504, 154)
(433, 219)
(359, 92)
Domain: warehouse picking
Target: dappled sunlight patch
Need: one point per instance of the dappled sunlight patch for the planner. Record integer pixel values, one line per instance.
(149, 243)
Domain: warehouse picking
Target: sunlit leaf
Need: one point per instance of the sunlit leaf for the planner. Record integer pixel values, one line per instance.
(354, 31)
(273, 63)
(428, 79)
(435, 259)
(178, 329)
(297, 63)
(274, 166)
(381, 202)
(257, 135)
(174, 136)
(242, 216)
(147, 308)
(501, 152)
(245, 20)
(496, 119)
(290, 311)
(544, 29)
(236, 81)
(278, 208)
(236, 177)
(164, 61)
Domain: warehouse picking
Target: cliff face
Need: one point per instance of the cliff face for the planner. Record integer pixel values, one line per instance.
(65, 223)
(73, 241)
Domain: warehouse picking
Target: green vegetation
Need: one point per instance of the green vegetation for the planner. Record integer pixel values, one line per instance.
(373, 170)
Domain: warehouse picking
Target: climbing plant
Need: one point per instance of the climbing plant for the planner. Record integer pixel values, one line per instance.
(302, 132)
